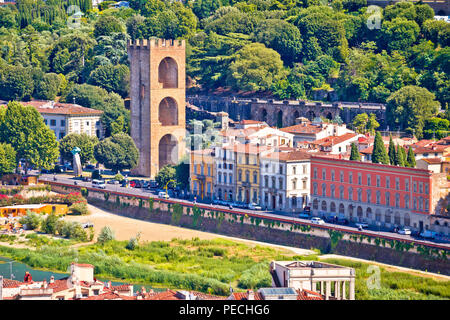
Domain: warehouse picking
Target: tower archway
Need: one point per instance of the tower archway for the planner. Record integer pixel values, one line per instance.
(168, 150)
(168, 73)
(168, 112)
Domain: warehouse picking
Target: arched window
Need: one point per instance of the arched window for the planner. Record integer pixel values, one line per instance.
(315, 204)
(397, 218)
(255, 177)
(341, 208)
(332, 207)
(332, 191)
(324, 190)
(407, 220)
(387, 217)
(168, 73)
(324, 206)
(359, 212)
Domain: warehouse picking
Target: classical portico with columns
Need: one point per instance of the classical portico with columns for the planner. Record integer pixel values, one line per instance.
(332, 281)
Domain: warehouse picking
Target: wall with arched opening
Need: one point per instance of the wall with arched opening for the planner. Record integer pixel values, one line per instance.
(168, 150)
(168, 73)
(168, 112)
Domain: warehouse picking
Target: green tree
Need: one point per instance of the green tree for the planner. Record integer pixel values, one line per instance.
(31, 220)
(7, 158)
(282, 37)
(81, 140)
(392, 153)
(34, 142)
(167, 173)
(409, 107)
(354, 5)
(401, 156)
(398, 34)
(112, 78)
(354, 155)
(360, 122)
(16, 83)
(106, 234)
(379, 154)
(255, 68)
(107, 25)
(372, 123)
(48, 87)
(49, 224)
(411, 160)
(117, 152)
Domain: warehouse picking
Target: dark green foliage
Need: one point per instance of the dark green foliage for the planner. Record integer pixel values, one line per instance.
(411, 160)
(117, 152)
(16, 83)
(83, 141)
(354, 154)
(392, 153)
(379, 154)
(106, 25)
(8, 162)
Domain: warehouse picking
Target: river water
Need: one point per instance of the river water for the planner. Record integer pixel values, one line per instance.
(18, 269)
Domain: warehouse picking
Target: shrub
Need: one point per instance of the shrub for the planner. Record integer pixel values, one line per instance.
(256, 277)
(49, 224)
(79, 208)
(31, 220)
(106, 234)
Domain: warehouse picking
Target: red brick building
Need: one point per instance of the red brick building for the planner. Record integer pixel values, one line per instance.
(381, 195)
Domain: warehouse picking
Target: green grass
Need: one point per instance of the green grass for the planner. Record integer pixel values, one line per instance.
(212, 266)
(394, 285)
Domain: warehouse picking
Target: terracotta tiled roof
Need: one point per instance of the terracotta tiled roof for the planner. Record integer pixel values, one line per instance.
(175, 295)
(433, 160)
(109, 296)
(244, 122)
(247, 148)
(60, 108)
(8, 283)
(303, 129)
(308, 295)
(289, 156)
(333, 140)
(122, 287)
(244, 296)
(59, 285)
(436, 148)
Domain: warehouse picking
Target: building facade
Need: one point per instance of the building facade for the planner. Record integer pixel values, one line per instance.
(202, 173)
(381, 195)
(157, 92)
(225, 180)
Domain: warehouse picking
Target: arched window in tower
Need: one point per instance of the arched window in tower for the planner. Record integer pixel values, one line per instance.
(168, 112)
(168, 73)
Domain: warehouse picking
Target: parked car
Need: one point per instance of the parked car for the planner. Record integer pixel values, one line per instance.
(317, 220)
(113, 181)
(163, 195)
(427, 234)
(90, 167)
(45, 171)
(342, 221)
(254, 206)
(361, 225)
(304, 215)
(86, 179)
(145, 184)
(405, 231)
(137, 184)
(153, 184)
(98, 184)
(124, 183)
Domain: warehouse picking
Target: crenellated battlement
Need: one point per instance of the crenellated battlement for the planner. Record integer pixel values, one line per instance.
(156, 43)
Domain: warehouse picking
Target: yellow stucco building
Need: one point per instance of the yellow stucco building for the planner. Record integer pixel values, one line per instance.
(21, 210)
(202, 173)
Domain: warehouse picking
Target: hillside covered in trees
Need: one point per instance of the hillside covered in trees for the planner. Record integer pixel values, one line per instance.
(289, 49)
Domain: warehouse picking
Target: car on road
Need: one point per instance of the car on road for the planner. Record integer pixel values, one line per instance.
(113, 181)
(145, 184)
(153, 184)
(99, 184)
(163, 195)
(124, 183)
(427, 234)
(45, 171)
(343, 221)
(362, 225)
(304, 215)
(86, 179)
(317, 220)
(254, 206)
(89, 167)
(405, 231)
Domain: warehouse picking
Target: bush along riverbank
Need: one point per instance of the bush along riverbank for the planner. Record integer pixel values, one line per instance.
(271, 231)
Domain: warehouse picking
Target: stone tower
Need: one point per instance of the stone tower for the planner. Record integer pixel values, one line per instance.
(157, 92)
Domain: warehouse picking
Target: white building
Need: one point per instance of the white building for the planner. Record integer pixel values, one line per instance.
(285, 182)
(66, 118)
(225, 173)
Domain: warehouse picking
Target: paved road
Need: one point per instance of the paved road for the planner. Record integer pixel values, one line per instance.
(268, 214)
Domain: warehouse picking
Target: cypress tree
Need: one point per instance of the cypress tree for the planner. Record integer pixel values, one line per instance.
(379, 154)
(354, 155)
(392, 153)
(401, 156)
(411, 160)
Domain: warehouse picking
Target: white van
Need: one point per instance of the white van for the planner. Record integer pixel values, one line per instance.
(98, 184)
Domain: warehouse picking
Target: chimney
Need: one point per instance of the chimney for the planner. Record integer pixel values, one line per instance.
(251, 295)
(52, 279)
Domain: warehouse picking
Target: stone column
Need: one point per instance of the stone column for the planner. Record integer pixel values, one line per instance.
(328, 290)
(352, 289)
(343, 290)
(337, 289)
(321, 287)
